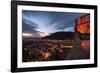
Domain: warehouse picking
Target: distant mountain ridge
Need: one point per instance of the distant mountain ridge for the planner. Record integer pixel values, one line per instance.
(60, 36)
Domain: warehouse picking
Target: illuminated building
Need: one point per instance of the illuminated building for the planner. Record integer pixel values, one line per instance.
(82, 36)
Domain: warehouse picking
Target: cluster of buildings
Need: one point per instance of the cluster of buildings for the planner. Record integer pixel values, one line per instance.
(45, 48)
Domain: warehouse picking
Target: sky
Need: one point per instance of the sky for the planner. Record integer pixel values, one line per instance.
(43, 23)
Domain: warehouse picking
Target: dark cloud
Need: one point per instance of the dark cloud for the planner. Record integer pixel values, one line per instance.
(36, 22)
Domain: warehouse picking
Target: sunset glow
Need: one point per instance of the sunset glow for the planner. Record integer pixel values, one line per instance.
(27, 34)
(43, 34)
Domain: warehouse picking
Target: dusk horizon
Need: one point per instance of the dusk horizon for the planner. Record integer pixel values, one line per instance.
(43, 23)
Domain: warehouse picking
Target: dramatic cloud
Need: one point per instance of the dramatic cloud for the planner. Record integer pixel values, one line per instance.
(41, 23)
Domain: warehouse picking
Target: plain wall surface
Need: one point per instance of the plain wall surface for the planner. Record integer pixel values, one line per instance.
(5, 32)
